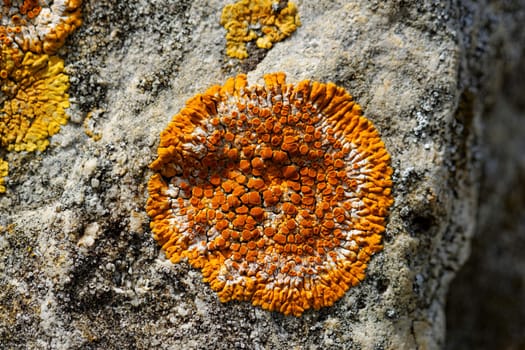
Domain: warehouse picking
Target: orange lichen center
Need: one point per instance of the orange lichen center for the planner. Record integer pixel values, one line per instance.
(278, 193)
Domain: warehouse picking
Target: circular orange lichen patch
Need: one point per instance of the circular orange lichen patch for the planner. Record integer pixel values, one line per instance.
(278, 193)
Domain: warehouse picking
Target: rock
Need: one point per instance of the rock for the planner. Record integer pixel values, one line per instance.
(79, 266)
(484, 304)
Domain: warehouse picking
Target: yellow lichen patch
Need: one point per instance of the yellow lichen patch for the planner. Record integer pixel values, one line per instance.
(33, 85)
(278, 193)
(265, 21)
(36, 103)
(89, 128)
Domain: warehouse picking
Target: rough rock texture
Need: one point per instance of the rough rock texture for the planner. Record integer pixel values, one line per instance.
(78, 266)
(485, 303)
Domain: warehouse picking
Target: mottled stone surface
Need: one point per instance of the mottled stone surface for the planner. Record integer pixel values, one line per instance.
(485, 303)
(78, 266)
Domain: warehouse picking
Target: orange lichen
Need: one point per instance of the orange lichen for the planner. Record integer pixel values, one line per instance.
(33, 85)
(40, 30)
(264, 21)
(284, 227)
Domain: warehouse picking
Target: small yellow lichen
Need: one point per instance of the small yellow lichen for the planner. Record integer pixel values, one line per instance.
(278, 193)
(265, 21)
(33, 86)
(89, 128)
(4, 167)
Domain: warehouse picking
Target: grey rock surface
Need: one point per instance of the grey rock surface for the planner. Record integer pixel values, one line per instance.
(78, 266)
(485, 303)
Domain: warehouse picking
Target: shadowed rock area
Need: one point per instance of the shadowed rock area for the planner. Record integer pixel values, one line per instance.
(484, 305)
(79, 268)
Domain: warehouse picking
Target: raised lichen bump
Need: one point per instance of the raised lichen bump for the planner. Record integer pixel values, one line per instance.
(264, 21)
(278, 193)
